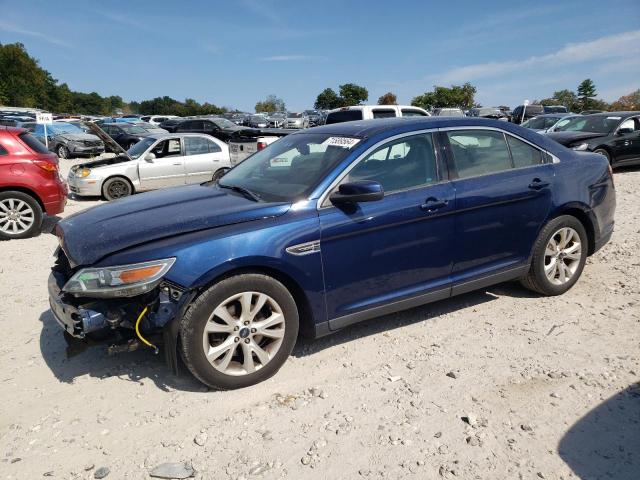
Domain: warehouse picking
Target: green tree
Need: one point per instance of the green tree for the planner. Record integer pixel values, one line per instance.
(270, 105)
(460, 96)
(328, 99)
(587, 94)
(563, 97)
(388, 99)
(353, 94)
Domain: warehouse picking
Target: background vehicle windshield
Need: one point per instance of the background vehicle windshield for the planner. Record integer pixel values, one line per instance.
(591, 124)
(223, 123)
(140, 147)
(133, 129)
(295, 115)
(58, 128)
(288, 169)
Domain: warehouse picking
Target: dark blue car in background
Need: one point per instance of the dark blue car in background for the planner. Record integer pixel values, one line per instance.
(325, 228)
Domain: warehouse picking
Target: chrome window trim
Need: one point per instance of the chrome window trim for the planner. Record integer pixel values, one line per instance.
(363, 155)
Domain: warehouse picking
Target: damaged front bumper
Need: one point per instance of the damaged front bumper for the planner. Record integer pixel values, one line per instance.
(112, 322)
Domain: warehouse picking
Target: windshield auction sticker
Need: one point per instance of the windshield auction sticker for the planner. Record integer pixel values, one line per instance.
(344, 142)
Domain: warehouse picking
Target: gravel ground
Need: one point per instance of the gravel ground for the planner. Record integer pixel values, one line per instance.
(496, 384)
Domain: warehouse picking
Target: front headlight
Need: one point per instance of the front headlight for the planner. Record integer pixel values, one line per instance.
(82, 172)
(119, 281)
(581, 147)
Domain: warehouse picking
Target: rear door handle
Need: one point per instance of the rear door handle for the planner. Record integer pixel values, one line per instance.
(538, 184)
(432, 204)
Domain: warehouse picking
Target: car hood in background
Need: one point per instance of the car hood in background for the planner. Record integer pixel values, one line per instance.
(78, 136)
(101, 162)
(569, 138)
(89, 236)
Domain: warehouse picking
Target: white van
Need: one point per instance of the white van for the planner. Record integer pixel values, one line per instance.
(367, 112)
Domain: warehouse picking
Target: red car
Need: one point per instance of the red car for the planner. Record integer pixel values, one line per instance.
(30, 184)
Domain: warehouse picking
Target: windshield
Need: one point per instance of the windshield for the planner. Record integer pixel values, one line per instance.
(288, 169)
(295, 115)
(539, 123)
(590, 124)
(133, 129)
(139, 148)
(223, 123)
(59, 128)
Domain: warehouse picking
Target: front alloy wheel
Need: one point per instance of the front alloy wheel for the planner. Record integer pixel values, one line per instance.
(243, 333)
(239, 332)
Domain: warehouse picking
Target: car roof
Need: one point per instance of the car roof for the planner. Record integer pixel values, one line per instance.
(14, 130)
(161, 136)
(398, 125)
(615, 114)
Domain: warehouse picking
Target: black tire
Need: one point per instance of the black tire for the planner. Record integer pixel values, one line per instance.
(194, 321)
(32, 203)
(536, 278)
(219, 174)
(604, 153)
(62, 151)
(116, 187)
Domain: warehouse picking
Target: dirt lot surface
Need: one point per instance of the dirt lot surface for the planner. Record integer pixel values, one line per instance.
(496, 384)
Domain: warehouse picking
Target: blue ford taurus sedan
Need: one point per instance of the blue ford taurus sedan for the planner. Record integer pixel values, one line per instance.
(325, 228)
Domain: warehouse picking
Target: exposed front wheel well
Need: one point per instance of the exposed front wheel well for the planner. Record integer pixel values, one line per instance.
(133, 188)
(307, 324)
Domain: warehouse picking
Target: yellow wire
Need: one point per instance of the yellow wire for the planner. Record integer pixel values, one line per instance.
(144, 340)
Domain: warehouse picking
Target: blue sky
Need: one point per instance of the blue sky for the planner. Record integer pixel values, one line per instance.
(234, 53)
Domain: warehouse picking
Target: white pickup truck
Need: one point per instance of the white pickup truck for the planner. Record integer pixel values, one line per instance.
(247, 142)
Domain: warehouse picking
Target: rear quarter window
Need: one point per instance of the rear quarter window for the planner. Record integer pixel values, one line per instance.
(33, 143)
(344, 116)
(383, 113)
(3, 151)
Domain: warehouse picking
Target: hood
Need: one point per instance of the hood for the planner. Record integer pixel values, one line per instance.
(569, 138)
(78, 136)
(89, 236)
(101, 162)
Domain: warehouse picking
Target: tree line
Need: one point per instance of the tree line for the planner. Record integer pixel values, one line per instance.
(24, 83)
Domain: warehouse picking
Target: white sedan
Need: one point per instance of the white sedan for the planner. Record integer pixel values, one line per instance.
(156, 161)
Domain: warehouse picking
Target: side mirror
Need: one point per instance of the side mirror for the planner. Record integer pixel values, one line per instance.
(150, 157)
(363, 191)
(624, 131)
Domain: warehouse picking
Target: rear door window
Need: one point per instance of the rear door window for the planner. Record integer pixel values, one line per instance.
(344, 116)
(196, 146)
(383, 112)
(479, 152)
(523, 154)
(407, 112)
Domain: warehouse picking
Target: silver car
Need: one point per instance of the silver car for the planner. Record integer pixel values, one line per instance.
(156, 161)
(296, 120)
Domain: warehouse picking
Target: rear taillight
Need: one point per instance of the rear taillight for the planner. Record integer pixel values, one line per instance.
(262, 145)
(47, 166)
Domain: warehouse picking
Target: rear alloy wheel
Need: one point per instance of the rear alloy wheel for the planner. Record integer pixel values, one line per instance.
(604, 153)
(20, 215)
(239, 332)
(559, 256)
(63, 152)
(116, 187)
(219, 174)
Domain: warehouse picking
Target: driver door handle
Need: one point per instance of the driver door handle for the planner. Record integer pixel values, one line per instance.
(537, 184)
(432, 204)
